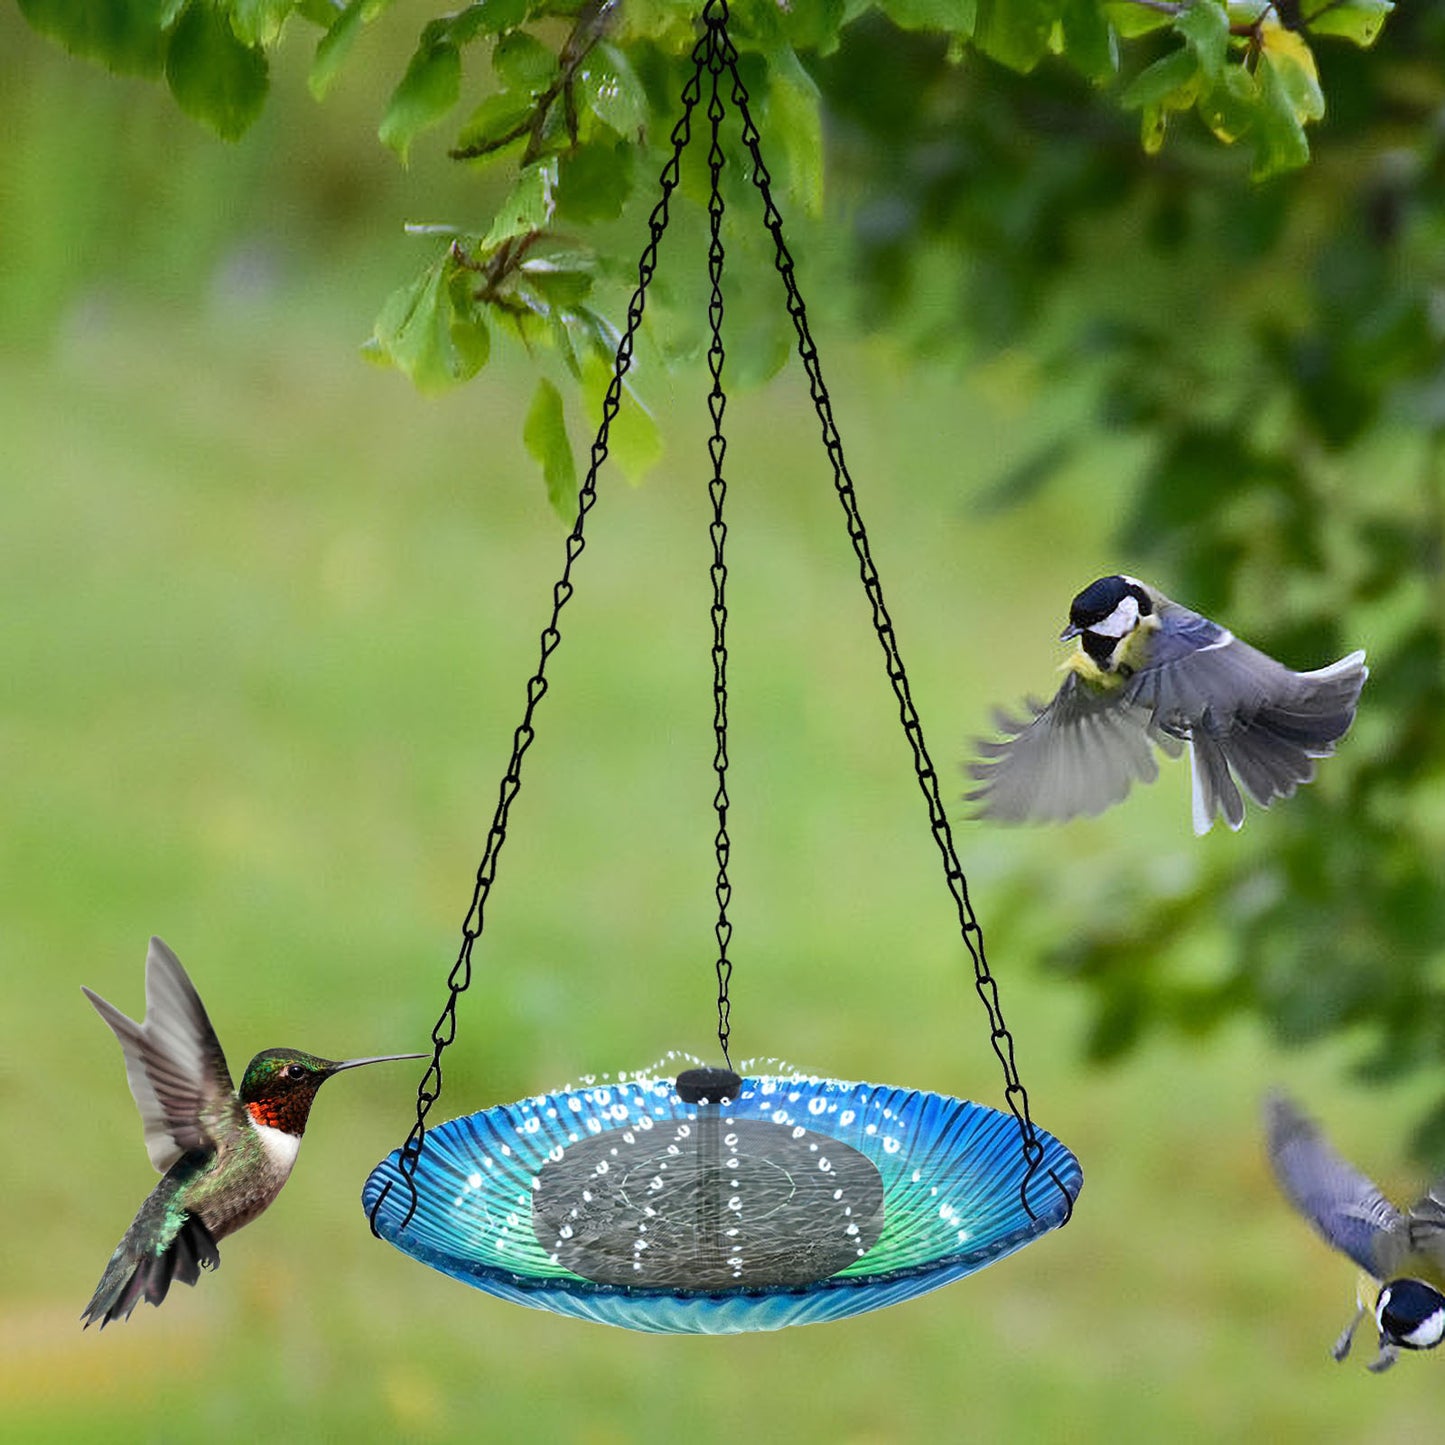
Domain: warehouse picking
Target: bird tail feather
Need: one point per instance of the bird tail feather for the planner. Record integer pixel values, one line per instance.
(1214, 790)
(139, 1272)
(1273, 751)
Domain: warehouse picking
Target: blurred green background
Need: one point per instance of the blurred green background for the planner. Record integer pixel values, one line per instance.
(268, 617)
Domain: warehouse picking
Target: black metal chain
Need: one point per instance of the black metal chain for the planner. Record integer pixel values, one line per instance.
(719, 56)
(715, 16)
(460, 977)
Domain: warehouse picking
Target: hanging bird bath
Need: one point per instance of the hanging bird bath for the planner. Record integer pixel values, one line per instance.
(715, 1202)
(799, 1200)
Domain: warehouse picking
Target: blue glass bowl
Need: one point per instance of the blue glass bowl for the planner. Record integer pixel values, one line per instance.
(800, 1200)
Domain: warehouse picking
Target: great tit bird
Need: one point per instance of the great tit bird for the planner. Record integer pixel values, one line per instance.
(1403, 1254)
(1149, 673)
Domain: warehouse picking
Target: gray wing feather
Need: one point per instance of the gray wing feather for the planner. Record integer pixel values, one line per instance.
(1345, 1207)
(173, 1061)
(1425, 1228)
(1249, 719)
(1077, 755)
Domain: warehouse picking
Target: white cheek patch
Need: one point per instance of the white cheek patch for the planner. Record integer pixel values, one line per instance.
(1121, 621)
(1428, 1333)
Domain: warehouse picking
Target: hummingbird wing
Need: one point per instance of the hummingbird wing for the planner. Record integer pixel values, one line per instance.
(1346, 1208)
(1077, 755)
(173, 1062)
(1250, 721)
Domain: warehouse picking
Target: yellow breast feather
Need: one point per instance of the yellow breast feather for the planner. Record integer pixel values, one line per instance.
(1090, 673)
(1133, 652)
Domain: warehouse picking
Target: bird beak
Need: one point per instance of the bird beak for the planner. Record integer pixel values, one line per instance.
(379, 1059)
(1069, 631)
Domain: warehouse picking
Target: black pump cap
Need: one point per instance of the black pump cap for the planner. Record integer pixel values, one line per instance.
(708, 1086)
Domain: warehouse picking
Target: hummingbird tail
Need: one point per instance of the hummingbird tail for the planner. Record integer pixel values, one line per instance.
(139, 1272)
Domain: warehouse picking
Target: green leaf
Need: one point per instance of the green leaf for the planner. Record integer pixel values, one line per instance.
(523, 63)
(1132, 20)
(1205, 28)
(795, 115)
(545, 435)
(471, 342)
(213, 76)
(333, 48)
(259, 22)
(1172, 82)
(1089, 41)
(1015, 32)
(127, 36)
(1153, 123)
(1357, 20)
(428, 90)
(1278, 135)
(499, 121)
(662, 21)
(633, 440)
(594, 182)
(1229, 107)
(953, 17)
(608, 86)
(562, 280)
(1289, 56)
(803, 24)
(424, 332)
(486, 17)
(585, 336)
(529, 207)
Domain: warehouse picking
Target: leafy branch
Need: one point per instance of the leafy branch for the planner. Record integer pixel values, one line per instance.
(573, 89)
(592, 24)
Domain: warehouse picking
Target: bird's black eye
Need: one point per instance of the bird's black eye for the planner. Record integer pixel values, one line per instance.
(295, 1071)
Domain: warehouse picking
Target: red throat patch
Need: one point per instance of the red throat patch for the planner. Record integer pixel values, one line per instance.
(265, 1112)
(287, 1114)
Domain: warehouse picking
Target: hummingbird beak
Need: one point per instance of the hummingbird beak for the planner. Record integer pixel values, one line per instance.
(379, 1059)
(1069, 631)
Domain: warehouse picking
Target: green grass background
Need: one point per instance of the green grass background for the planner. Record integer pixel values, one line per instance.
(267, 616)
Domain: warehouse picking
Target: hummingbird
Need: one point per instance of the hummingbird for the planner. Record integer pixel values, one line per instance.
(225, 1153)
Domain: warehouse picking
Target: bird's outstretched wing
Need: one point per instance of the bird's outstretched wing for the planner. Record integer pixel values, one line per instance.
(1345, 1207)
(173, 1062)
(1425, 1229)
(1251, 721)
(1077, 755)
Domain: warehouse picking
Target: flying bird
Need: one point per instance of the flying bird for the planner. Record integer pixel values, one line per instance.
(1403, 1255)
(1149, 673)
(224, 1153)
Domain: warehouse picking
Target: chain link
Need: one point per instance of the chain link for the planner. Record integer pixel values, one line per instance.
(460, 977)
(720, 54)
(984, 981)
